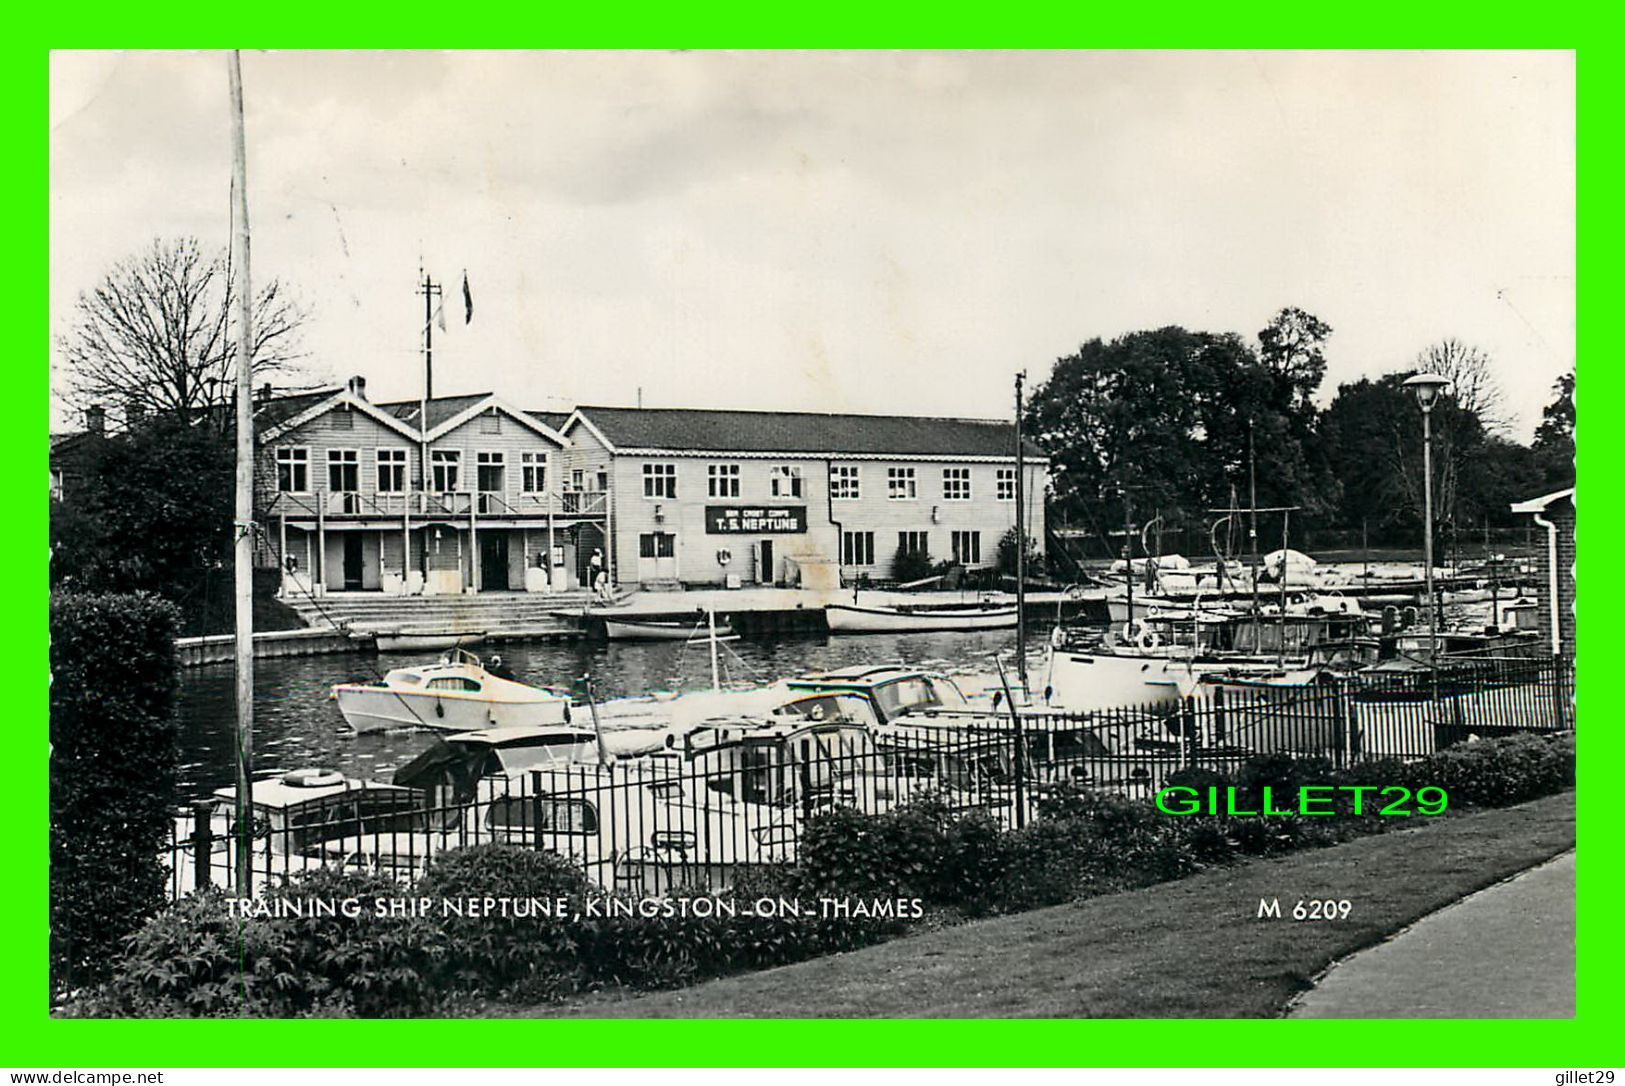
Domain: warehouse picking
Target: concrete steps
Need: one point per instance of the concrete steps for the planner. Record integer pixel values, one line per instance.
(510, 614)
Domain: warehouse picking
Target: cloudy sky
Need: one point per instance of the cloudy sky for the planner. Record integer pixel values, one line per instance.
(843, 231)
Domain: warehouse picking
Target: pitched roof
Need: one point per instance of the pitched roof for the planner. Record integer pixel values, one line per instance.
(553, 420)
(684, 429)
(278, 409)
(1542, 503)
(441, 408)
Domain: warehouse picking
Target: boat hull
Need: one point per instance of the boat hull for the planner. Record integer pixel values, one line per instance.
(1087, 682)
(622, 629)
(846, 619)
(410, 641)
(374, 709)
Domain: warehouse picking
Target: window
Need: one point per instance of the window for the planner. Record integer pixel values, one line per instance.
(784, 481)
(456, 682)
(722, 480)
(578, 479)
(447, 465)
(967, 548)
(533, 472)
(843, 482)
(900, 485)
(1007, 484)
(543, 813)
(344, 420)
(956, 484)
(913, 542)
(391, 471)
(293, 470)
(490, 472)
(491, 422)
(857, 548)
(660, 480)
(343, 471)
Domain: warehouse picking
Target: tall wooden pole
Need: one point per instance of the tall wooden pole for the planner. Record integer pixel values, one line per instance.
(243, 525)
(1021, 546)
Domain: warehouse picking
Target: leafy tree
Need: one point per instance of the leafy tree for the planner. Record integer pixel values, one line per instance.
(153, 512)
(1554, 438)
(1292, 346)
(158, 334)
(1170, 421)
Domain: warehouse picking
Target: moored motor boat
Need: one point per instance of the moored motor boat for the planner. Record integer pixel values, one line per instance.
(456, 694)
(847, 618)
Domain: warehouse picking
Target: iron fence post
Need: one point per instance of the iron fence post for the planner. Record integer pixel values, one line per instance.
(202, 843)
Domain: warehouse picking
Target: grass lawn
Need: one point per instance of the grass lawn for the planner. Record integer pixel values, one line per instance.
(1192, 948)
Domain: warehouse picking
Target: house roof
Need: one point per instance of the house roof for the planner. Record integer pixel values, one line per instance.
(279, 409)
(1544, 502)
(553, 420)
(684, 429)
(441, 408)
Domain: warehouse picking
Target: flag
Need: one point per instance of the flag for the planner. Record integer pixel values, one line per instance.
(440, 314)
(468, 300)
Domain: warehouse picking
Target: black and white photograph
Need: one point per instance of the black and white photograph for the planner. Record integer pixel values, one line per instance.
(1072, 534)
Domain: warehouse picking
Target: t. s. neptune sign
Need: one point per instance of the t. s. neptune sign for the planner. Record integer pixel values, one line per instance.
(754, 519)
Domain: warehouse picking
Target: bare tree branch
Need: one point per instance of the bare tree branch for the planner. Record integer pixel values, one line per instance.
(158, 336)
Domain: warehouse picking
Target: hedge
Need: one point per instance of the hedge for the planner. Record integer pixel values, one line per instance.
(1085, 844)
(114, 755)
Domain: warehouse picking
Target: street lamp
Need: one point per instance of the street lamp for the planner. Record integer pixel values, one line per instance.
(1428, 387)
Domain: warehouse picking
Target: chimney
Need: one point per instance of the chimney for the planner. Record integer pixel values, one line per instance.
(357, 386)
(96, 419)
(265, 393)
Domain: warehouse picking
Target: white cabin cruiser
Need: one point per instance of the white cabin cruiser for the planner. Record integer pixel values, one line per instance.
(455, 694)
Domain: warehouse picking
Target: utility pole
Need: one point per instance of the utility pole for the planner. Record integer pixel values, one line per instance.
(243, 521)
(1021, 546)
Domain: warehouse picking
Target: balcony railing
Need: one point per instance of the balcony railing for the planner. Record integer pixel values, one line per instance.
(455, 503)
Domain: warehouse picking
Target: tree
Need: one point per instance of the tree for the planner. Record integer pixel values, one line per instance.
(1172, 421)
(1554, 438)
(158, 335)
(1471, 374)
(153, 512)
(1292, 345)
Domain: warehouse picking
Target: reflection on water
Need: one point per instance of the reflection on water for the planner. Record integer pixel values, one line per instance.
(296, 725)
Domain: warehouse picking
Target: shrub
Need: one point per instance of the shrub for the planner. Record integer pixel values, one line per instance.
(113, 762)
(196, 960)
(531, 957)
(911, 565)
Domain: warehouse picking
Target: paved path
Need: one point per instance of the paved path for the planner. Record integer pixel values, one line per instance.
(1504, 952)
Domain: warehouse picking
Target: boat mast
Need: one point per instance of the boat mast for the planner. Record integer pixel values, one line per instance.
(1252, 502)
(711, 625)
(243, 521)
(1021, 547)
(1128, 559)
(1280, 639)
(428, 289)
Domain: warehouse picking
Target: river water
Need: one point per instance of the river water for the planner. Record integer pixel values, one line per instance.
(296, 725)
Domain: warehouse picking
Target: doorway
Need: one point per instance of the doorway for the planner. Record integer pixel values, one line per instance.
(657, 556)
(494, 562)
(353, 563)
(764, 573)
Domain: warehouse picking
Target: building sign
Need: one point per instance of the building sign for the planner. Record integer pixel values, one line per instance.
(755, 519)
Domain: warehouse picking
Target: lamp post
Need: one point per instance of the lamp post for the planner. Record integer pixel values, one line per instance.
(1428, 387)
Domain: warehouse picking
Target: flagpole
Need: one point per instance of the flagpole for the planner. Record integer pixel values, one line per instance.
(243, 525)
